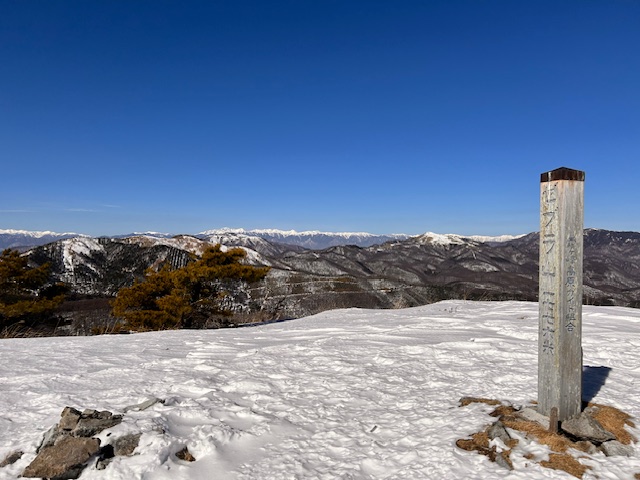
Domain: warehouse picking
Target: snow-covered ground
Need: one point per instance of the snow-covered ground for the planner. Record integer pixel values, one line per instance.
(346, 394)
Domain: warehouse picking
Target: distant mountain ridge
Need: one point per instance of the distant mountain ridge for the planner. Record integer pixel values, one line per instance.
(23, 239)
(400, 273)
(311, 240)
(396, 273)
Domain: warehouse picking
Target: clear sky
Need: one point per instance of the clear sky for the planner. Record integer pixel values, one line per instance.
(379, 116)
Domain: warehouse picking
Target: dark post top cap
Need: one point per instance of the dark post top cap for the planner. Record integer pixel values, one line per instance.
(562, 173)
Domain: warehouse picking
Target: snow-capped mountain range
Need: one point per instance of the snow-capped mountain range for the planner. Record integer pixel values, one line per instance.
(401, 273)
(414, 271)
(22, 239)
(312, 240)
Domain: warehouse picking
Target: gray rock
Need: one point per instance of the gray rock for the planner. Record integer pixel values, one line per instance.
(532, 415)
(67, 446)
(76, 424)
(93, 422)
(49, 438)
(103, 463)
(12, 458)
(69, 419)
(504, 461)
(592, 410)
(497, 430)
(144, 405)
(64, 460)
(614, 448)
(125, 445)
(585, 427)
(121, 446)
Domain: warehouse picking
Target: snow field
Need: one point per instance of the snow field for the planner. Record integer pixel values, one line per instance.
(346, 394)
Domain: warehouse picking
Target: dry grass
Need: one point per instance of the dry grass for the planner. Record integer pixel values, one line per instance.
(503, 411)
(464, 401)
(479, 442)
(20, 331)
(610, 418)
(512, 442)
(584, 446)
(564, 461)
(614, 420)
(555, 441)
(481, 438)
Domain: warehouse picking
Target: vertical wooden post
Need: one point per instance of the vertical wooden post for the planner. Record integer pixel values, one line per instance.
(560, 295)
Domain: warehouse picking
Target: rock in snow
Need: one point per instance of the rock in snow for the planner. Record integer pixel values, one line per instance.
(65, 459)
(68, 446)
(532, 415)
(614, 448)
(586, 427)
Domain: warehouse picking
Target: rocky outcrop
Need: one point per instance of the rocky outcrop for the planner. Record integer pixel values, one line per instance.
(70, 445)
(120, 447)
(12, 458)
(614, 448)
(66, 458)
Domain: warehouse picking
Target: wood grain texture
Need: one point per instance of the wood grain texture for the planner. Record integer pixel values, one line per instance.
(560, 297)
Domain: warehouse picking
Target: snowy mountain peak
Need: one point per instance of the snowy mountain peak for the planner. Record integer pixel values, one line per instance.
(312, 239)
(316, 239)
(190, 244)
(441, 239)
(154, 234)
(455, 239)
(496, 239)
(28, 233)
(23, 239)
(283, 233)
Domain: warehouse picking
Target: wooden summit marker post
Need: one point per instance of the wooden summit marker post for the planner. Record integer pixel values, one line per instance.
(560, 295)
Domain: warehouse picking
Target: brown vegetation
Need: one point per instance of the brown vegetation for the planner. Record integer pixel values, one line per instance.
(464, 401)
(188, 297)
(479, 442)
(561, 458)
(27, 296)
(614, 421)
(564, 461)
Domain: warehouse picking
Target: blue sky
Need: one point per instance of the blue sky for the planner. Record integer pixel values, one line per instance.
(379, 116)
